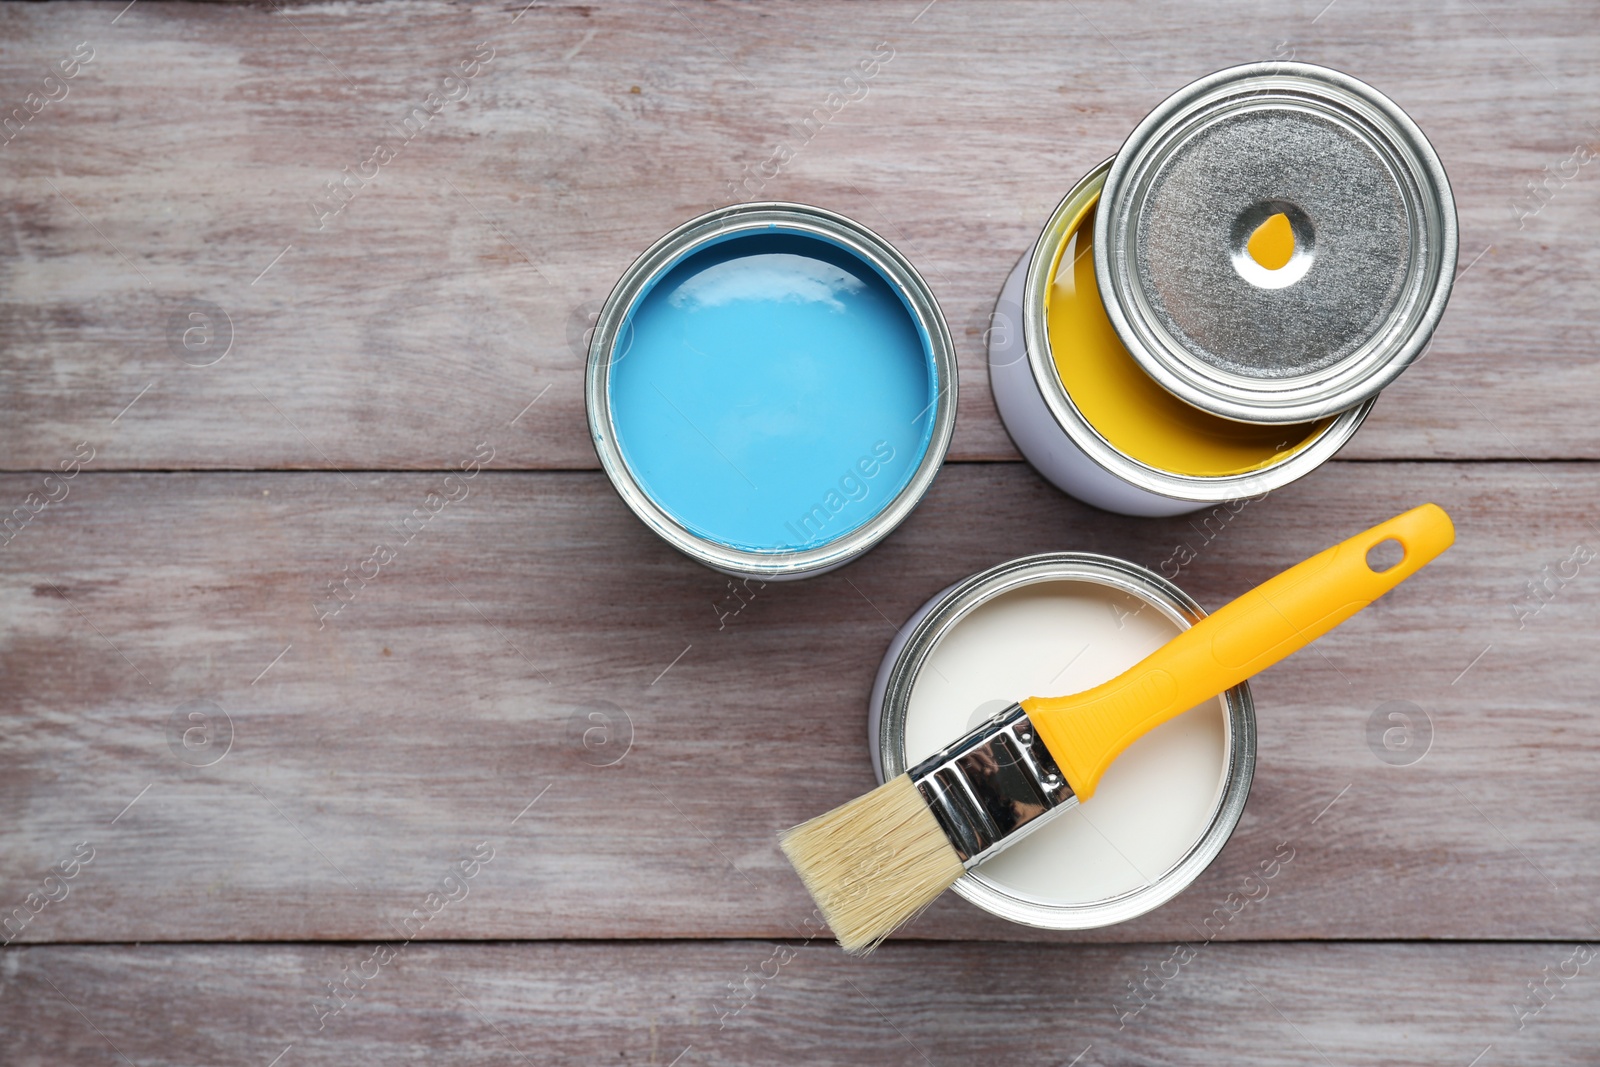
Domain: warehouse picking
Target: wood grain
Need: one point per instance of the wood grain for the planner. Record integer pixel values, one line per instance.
(245, 746)
(453, 689)
(714, 1003)
(178, 176)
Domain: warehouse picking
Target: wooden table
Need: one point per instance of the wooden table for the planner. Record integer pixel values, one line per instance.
(258, 801)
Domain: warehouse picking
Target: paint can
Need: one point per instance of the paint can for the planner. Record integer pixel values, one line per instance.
(771, 388)
(1148, 358)
(1062, 623)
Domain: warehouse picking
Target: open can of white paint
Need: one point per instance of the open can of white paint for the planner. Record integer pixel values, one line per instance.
(1061, 623)
(1211, 313)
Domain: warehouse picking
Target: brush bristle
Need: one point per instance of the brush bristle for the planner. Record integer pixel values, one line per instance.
(874, 863)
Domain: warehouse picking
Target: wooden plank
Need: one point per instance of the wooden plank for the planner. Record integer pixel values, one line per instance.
(452, 691)
(178, 176)
(781, 1003)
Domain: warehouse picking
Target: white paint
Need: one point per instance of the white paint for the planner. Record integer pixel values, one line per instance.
(1158, 798)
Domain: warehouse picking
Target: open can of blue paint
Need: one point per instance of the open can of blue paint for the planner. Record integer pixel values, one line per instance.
(771, 388)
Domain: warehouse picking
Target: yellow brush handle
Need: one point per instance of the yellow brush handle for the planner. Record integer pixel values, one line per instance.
(1086, 731)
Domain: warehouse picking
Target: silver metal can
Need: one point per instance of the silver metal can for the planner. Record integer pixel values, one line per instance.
(852, 248)
(1164, 809)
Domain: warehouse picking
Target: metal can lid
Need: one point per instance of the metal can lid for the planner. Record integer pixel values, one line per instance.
(1374, 242)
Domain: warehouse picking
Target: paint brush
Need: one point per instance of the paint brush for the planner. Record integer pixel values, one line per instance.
(877, 861)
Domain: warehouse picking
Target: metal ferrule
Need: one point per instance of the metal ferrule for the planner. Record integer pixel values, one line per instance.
(994, 785)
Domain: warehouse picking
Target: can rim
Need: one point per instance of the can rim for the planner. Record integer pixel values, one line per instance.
(1201, 489)
(722, 224)
(1407, 330)
(960, 600)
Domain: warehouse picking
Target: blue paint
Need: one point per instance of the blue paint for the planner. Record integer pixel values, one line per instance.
(773, 393)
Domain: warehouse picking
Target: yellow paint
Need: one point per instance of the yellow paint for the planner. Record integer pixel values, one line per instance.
(1125, 406)
(1273, 242)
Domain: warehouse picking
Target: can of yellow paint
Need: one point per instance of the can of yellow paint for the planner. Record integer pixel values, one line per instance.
(1211, 313)
(1061, 623)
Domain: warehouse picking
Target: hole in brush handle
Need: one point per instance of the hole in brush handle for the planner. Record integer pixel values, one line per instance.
(1385, 555)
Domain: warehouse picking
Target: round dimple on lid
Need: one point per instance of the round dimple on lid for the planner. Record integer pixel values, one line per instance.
(1275, 338)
